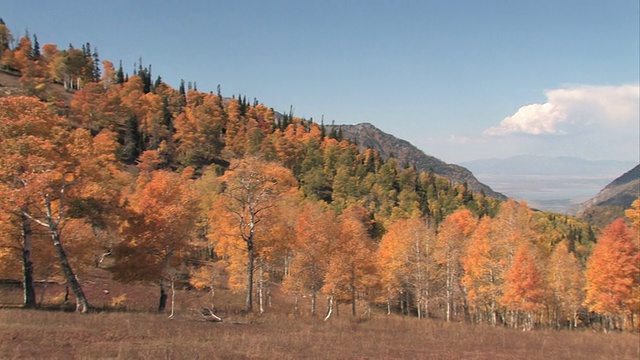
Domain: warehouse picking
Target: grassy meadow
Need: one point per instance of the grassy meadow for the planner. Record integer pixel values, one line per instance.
(34, 334)
(138, 331)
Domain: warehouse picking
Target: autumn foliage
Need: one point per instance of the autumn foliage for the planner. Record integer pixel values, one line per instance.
(613, 274)
(172, 186)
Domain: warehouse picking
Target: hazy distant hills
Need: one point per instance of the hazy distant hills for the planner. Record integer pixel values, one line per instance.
(546, 165)
(548, 183)
(611, 201)
(368, 136)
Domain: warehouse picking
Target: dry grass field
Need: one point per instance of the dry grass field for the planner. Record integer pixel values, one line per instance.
(27, 334)
(137, 331)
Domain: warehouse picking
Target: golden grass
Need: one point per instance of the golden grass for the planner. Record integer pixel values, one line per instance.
(139, 335)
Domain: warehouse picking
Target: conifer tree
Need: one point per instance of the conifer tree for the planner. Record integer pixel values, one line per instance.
(97, 74)
(35, 52)
(120, 74)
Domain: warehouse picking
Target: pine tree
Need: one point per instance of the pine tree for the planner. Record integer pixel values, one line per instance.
(158, 82)
(120, 74)
(182, 90)
(35, 52)
(5, 38)
(97, 74)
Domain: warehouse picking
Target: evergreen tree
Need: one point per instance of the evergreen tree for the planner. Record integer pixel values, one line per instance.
(5, 37)
(219, 92)
(158, 82)
(120, 74)
(86, 49)
(145, 75)
(323, 130)
(35, 52)
(97, 73)
(182, 90)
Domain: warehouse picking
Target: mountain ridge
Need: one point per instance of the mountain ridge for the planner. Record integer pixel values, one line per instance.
(367, 136)
(611, 201)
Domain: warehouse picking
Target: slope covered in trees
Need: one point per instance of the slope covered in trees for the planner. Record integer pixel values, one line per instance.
(368, 136)
(178, 185)
(611, 202)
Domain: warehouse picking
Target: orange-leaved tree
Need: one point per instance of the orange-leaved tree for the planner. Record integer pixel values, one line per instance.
(162, 215)
(633, 214)
(352, 267)
(405, 264)
(274, 250)
(566, 282)
(251, 188)
(524, 288)
(482, 265)
(199, 130)
(49, 174)
(315, 231)
(454, 233)
(613, 275)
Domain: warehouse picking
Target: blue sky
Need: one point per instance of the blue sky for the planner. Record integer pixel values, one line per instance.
(460, 79)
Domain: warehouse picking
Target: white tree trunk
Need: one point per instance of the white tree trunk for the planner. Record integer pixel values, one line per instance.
(329, 308)
(173, 298)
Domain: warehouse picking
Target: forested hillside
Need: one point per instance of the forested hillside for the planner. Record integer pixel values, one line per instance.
(367, 136)
(164, 186)
(613, 200)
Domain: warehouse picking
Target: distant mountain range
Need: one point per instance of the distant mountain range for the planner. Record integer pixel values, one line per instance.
(547, 165)
(557, 184)
(368, 136)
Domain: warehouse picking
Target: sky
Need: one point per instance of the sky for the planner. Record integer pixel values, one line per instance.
(460, 79)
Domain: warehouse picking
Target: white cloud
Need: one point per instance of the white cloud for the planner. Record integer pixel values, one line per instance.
(569, 109)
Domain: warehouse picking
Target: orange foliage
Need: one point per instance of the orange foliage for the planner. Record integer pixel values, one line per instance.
(613, 272)
(252, 188)
(566, 281)
(633, 214)
(523, 287)
(482, 269)
(163, 214)
(352, 269)
(315, 231)
(403, 260)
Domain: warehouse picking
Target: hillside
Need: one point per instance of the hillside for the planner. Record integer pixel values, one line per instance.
(10, 86)
(368, 136)
(164, 186)
(364, 135)
(611, 201)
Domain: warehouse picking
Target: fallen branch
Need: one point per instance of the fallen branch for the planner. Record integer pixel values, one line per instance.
(208, 315)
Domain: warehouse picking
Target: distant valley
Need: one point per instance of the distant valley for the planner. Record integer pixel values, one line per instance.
(557, 184)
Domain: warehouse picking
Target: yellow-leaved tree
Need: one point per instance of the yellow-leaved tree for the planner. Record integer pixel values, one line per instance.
(352, 272)
(455, 231)
(315, 232)
(251, 188)
(405, 264)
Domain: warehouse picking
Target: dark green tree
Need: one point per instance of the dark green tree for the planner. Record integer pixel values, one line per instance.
(120, 74)
(97, 73)
(182, 89)
(35, 51)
